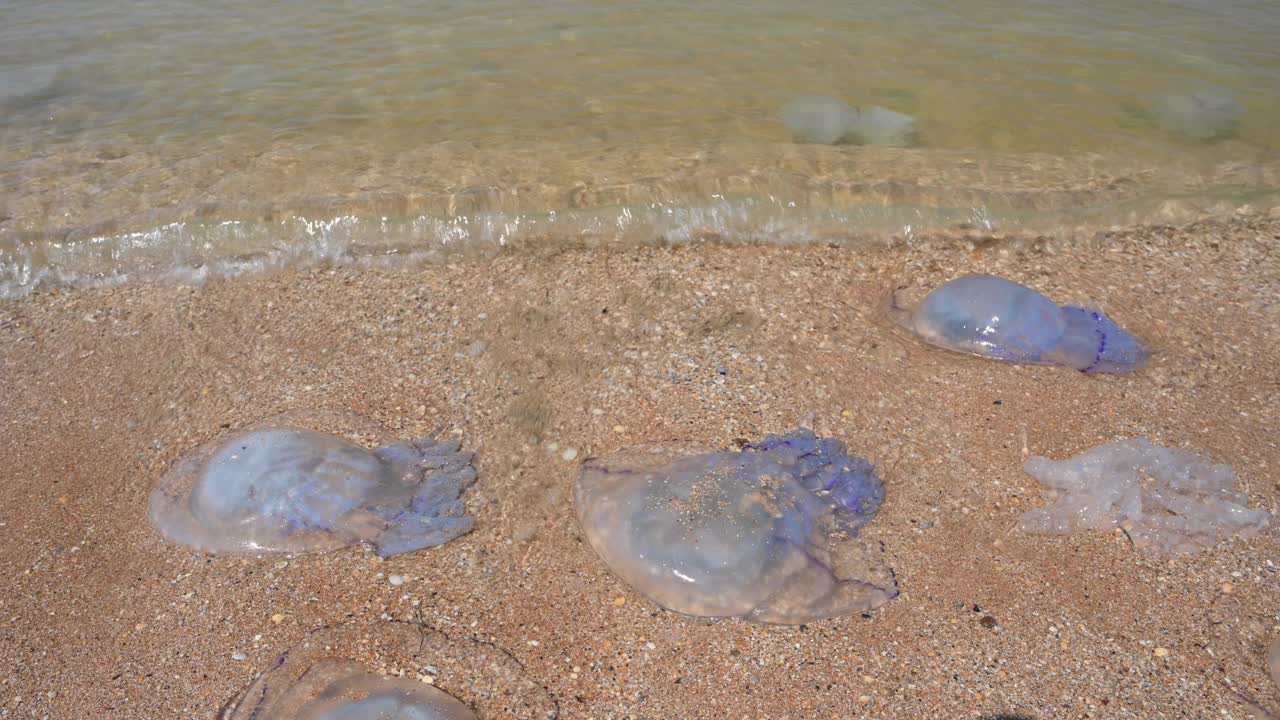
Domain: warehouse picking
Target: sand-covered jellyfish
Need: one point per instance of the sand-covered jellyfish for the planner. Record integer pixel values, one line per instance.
(390, 671)
(1000, 319)
(282, 486)
(766, 533)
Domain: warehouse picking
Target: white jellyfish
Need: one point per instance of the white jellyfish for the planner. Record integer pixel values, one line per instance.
(828, 121)
(1203, 115)
(1166, 499)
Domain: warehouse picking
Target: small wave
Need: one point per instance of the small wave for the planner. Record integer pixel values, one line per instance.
(197, 251)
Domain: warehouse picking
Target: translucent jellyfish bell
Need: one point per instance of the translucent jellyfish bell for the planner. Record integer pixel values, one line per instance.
(344, 690)
(372, 671)
(829, 121)
(281, 487)
(1000, 319)
(764, 534)
(1166, 499)
(1204, 115)
(818, 119)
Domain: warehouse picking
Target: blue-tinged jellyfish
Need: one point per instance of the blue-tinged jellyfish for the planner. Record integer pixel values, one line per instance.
(390, 671)
(280, 487)
(1000, 319)
(766, 534)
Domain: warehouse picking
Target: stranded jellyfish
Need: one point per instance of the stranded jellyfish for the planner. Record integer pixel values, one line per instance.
(1165, 499)
(765, 534)
(828, 121)
(990, 316)
(390, 671)
(282, 487)
(343, 690)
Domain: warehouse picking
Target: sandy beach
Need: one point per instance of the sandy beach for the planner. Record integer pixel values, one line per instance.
(537, 351)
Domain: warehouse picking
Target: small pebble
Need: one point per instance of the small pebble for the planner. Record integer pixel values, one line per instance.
(277, 618)
(987, 622)
(239, 656)
(1162, 652)
(1227, 588)
(570, 454)
(619, 601)
(396, 579)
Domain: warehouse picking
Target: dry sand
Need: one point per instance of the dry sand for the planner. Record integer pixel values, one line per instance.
(595, 349)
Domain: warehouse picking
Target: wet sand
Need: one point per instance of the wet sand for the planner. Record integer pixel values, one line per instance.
(595, 349)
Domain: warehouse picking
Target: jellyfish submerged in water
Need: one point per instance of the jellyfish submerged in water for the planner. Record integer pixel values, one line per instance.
(828, 121)
(818, 119)
(369, 670)
(765, 534)
(1000, 319)
(279, 487)
(1204, 115)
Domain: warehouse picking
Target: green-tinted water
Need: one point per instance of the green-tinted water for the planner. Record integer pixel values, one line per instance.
(208, 137)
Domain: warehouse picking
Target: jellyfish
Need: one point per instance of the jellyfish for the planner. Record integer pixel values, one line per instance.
(1000, 319)
(818, 119)
(1205, 114)
(1273, 662)
(280, 487)
(390, 671)
(880, 126)
(1166, 499)
(765, 534)
(828, 121)
(344, 690)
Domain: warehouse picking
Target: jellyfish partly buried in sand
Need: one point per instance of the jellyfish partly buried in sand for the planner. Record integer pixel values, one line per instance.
(280, 486)
(765, 534)
(1000, 319)
(382, 671)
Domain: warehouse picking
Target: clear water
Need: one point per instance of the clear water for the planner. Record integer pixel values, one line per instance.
(206, 137)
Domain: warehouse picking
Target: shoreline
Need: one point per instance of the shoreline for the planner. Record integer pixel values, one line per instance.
(80, 220)
(595, 349)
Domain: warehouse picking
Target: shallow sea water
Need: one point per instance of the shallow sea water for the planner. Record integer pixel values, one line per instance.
(176, 138)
